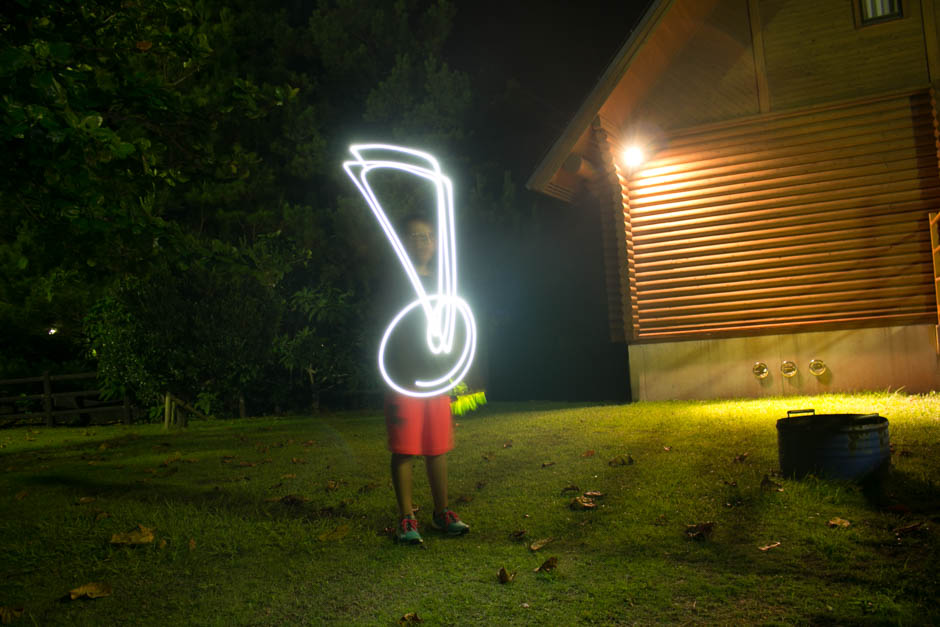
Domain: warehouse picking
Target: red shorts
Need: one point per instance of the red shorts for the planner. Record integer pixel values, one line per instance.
(418, 426)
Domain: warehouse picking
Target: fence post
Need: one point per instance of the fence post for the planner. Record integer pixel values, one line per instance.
(166, 410)
(47, 398)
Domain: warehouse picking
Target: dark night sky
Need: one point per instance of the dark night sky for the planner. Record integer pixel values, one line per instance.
(534, 63)
(554, 51)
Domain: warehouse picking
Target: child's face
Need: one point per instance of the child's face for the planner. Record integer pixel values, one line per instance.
(420, 242)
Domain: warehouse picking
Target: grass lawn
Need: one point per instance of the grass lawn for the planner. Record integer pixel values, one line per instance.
(229, 549)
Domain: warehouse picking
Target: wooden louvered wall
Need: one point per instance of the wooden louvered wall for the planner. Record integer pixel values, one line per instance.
(802, 221)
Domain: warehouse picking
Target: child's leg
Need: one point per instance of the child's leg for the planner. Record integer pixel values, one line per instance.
(437, 476)
(401, 479)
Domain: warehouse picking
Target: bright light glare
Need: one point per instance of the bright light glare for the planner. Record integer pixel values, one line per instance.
(442, 307)
(53, 331)
(633, 156)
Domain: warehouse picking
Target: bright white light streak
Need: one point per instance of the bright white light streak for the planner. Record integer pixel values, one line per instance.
(442, 307)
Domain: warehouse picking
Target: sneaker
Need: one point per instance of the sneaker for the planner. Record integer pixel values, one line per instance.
(449, 523)
(407, 532)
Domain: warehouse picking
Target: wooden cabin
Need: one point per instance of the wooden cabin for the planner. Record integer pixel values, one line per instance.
(765, 172)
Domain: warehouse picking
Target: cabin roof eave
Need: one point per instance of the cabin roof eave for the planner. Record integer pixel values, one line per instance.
(579, 127)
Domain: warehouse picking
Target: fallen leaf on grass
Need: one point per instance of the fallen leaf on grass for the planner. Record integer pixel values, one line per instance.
(838, 522)
(170, 471)
(337, 534)
(547, 464)
(740, 458)
(582, 502)
(309, 443)
(246, 464)
(9, 614)
(505, 576)
(21, 495)
(620, 461)
(141, 535)
(732, 484)
(700, 531)
(507, 444)
(570, 488)
(667, 448)
(767, 484)
(92, 590)
(588, 453)
(175, 457)
(192, 544)
(101, 516)
(409, 618)
(518, 535)
(772, 545)
(549, 564)
(298, 460)
(900, 531)
(539, 544)
(592, 494)
(288, 499)
(289, 475)
(333, 485)
(86, 499)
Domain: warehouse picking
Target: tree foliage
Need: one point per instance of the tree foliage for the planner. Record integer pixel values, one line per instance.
(170, 186)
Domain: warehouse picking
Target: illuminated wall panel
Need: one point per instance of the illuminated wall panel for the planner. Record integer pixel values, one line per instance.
(801, 221)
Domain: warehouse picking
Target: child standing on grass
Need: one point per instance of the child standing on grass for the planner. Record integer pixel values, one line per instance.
(419, 426)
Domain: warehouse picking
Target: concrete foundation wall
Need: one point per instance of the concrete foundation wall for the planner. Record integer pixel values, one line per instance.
(857, 359)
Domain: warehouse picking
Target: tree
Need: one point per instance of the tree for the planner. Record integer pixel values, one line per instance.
(150, 147)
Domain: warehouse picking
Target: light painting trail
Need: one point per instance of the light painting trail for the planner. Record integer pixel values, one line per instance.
(441, 308)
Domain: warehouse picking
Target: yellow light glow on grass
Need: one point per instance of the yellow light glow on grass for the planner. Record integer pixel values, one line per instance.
(441, 308)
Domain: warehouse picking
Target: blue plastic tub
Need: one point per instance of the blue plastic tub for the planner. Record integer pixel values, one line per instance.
(835, 446)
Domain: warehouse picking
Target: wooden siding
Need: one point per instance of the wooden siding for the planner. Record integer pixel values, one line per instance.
(815, 54)
(698, 68)
(788, 222)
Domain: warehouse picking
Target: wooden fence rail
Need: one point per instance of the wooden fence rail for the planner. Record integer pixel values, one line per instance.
(49, 397)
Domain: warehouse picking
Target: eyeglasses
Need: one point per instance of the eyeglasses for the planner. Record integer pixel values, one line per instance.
(421, 238)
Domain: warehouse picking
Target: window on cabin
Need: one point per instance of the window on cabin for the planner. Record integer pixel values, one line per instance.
(872, 11)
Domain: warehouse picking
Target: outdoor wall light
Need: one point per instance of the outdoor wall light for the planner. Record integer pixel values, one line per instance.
(760, 370)
(633, 157)
(788, 369)
(817, 368)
